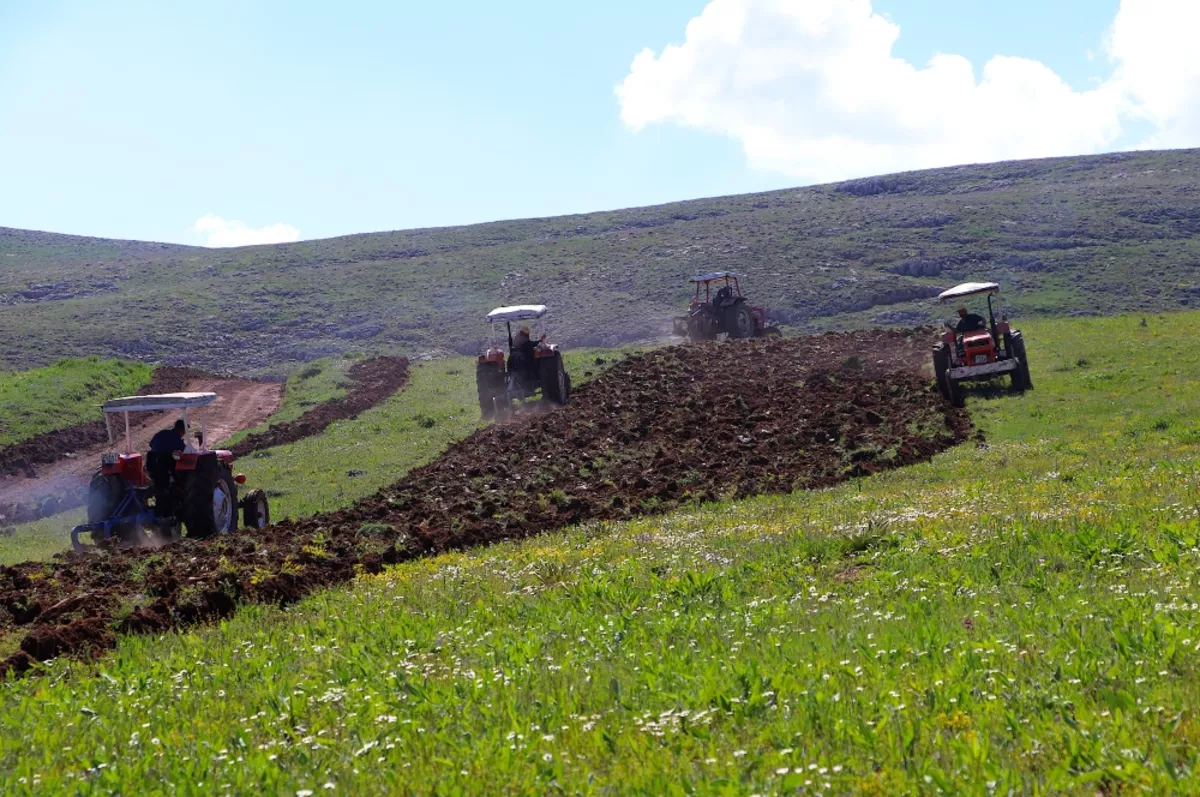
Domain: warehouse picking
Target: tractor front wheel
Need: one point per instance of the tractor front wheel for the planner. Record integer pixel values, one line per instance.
(1021, 380)
(209, 499)
(256, 512)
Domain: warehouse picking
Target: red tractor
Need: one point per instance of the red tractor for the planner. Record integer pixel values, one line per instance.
(724, 312)
(533, 366)
(197, 487)
(976, 348)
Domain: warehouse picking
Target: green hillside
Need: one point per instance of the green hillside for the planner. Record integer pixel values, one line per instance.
(1016, 616)
(1065, 236)
(57, 396)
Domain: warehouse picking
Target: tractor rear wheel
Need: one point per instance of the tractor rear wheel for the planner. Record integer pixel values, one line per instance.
(553, 376)
(488, 381)
(941, 365)
(1021, 380)
(256, 512)
(209, 499)
(739, 323)
(953, 391)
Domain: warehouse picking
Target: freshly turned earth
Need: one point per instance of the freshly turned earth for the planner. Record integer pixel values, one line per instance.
(372, 381)
(670, 428)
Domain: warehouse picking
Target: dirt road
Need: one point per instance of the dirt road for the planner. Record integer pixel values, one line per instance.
(240, 404)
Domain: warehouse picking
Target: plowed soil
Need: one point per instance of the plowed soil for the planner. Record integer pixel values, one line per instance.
(373, 381)
(658, 431)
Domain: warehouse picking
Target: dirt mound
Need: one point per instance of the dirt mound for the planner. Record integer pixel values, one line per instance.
(374, 381)
(22, 459)
(666, 429)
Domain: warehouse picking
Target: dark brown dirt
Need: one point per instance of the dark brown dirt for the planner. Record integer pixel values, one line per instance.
(22, 459)
(374, 381)
(670, 428)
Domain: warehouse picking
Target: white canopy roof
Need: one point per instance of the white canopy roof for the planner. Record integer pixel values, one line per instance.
(968, 289)
(518, 312)
(163, 401)
(716, 275)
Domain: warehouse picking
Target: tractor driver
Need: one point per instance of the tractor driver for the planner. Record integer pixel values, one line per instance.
(160, 464)
(523, 352)
(969, 322)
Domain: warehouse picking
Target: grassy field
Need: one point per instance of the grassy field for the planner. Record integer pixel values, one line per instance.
(61, 395)
(1017, 616)
(1085, 235)
(349, 460)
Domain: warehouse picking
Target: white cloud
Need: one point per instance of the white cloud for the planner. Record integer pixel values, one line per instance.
(220, 232)
(811, 89)
(1152, 43)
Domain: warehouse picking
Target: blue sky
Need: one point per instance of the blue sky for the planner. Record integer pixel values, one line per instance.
(139, 118)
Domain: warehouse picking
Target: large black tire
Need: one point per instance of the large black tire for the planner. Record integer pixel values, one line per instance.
(941, 364)
(209, 499)
(104, 496)
(256, 512)
(553, 376)
(488, 381)
(1021, 380)
(953, 391)
(739, 323)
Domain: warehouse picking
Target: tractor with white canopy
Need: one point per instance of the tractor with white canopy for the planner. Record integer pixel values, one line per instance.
(200, 487)
(978, 348)
(505, 381)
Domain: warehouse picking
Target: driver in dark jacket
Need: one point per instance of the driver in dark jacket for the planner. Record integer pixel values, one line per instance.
(523, 356)
(160, 464)
(969, 322)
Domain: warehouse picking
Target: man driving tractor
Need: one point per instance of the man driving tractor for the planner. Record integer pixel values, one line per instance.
(160, 464)
(969, 322)
(523, 355)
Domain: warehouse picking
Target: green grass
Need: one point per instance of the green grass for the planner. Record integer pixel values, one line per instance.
(57, 396)
(309, 385)
(1017, 616)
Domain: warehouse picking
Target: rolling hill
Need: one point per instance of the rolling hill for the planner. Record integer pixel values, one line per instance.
(1068, 236)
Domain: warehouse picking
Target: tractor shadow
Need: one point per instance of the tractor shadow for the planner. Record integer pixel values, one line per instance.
(991, 391)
